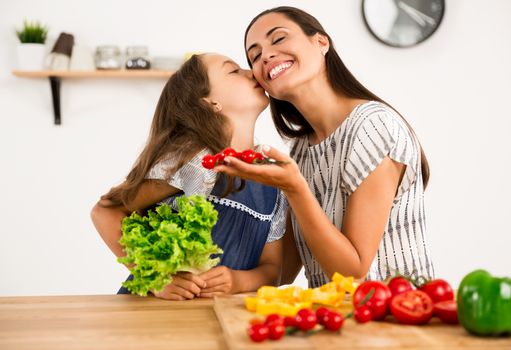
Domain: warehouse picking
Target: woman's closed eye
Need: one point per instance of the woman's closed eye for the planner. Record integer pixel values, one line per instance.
(237, 70)
(278, 40)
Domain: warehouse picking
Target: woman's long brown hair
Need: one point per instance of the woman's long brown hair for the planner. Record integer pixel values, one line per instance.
(183, 124)
(288, 120)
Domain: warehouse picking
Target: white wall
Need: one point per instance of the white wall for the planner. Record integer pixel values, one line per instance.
(453, 88)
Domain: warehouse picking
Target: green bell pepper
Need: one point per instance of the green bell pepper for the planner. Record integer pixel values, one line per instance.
(484, 304)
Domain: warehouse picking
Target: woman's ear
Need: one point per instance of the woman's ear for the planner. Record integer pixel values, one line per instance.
(323, 43)
(217, 107)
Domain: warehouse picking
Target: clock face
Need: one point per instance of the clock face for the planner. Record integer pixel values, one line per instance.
(402, 23)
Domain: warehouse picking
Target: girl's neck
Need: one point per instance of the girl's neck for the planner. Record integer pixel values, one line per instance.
(322, 107)
(242, 134)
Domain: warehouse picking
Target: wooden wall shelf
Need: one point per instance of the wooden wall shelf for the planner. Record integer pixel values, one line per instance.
(55, 78)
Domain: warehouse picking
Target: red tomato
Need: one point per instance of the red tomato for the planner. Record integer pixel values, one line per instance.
(438, 290)
(333, 321)
(447, 311)
(208, 161)
(289, 321)
(320, 314)
(305, 319)
(398, 285)
(258, 332)
(248, 156)
(219, 157)
(229, 152)
(363, 314)
(379, 301)
(259, 156)
(276, 330)
(274, 318)
(412, 307)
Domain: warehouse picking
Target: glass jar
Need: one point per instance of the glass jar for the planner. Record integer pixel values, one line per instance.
(108, 57)
(137, 57)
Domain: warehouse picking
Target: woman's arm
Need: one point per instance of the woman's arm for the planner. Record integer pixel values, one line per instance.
(367, 212)
(292, 263)
(107, 220)
(223, 280)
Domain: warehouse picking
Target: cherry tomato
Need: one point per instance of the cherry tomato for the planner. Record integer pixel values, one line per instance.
(398, 285)
(438, 290)
(363, 314)
(248, 156)
(258, 332)
(305, 319)
(255, 320)
(447, 311)
(333, 321)
(259, 156)
(274, 318)
(229, 152)
(320, 314)
(381, 292)
(412, 307)
(219, 157)
(277, 330)
(289, 321)
(208, 161)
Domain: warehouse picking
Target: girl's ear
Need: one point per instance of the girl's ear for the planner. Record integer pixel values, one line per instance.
(217, 107)
(323, 43)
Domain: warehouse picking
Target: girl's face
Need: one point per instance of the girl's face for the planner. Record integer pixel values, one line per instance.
(233, 90)
(283, 58)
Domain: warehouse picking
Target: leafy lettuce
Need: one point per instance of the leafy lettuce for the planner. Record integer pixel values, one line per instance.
(164, 242)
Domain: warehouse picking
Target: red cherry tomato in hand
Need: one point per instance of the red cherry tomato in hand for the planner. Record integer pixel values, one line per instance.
(259, 156)
(398, 285)
(208, 161)
(333, 321)
(229, 152)
(248, 156)
(219, 157)
(438, 290)
(305, 319)
(363, 314)
(412, 307)
(447, 311)
(381, 292)
(258, 332)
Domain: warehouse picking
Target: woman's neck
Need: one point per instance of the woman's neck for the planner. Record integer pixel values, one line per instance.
(322, 107)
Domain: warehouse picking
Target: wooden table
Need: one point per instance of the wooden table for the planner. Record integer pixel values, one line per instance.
(130, 322)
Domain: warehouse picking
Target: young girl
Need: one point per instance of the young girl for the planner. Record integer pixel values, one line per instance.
(356, 176)
(207, 105)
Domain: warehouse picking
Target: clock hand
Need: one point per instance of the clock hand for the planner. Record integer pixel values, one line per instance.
(418, 16)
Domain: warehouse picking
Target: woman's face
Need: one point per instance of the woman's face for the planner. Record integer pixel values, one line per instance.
(283, 58)
(235, 89)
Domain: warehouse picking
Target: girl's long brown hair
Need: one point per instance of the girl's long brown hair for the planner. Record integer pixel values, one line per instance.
(288, 120)
(183, 124)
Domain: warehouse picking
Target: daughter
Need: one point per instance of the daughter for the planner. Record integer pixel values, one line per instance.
(209, 104)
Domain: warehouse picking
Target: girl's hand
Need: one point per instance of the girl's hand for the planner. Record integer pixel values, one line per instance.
(286, 176)
(184, 286)
(219, 280)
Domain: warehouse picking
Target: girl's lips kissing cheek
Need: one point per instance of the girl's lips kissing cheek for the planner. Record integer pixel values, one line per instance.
(278, 69)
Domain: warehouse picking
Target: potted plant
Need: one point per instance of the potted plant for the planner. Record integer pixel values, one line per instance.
(31, 50)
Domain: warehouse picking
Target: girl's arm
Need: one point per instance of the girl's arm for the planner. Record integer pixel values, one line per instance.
(223, 280)
(107, 220)
(292, 263)
(352, 252)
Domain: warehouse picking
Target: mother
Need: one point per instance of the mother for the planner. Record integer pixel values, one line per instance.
(356, 173)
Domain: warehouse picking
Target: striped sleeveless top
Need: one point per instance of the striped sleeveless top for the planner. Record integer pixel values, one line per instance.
(335, 167)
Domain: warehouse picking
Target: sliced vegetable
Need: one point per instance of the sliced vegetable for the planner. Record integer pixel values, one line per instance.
(412, 307)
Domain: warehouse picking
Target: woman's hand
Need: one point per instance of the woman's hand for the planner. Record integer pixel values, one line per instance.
(285, 176)
(184, 286)
(219, 280)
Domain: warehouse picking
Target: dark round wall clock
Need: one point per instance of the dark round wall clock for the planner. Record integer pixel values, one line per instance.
(402, 23)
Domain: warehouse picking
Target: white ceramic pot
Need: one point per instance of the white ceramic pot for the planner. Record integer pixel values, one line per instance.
(31, 56)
